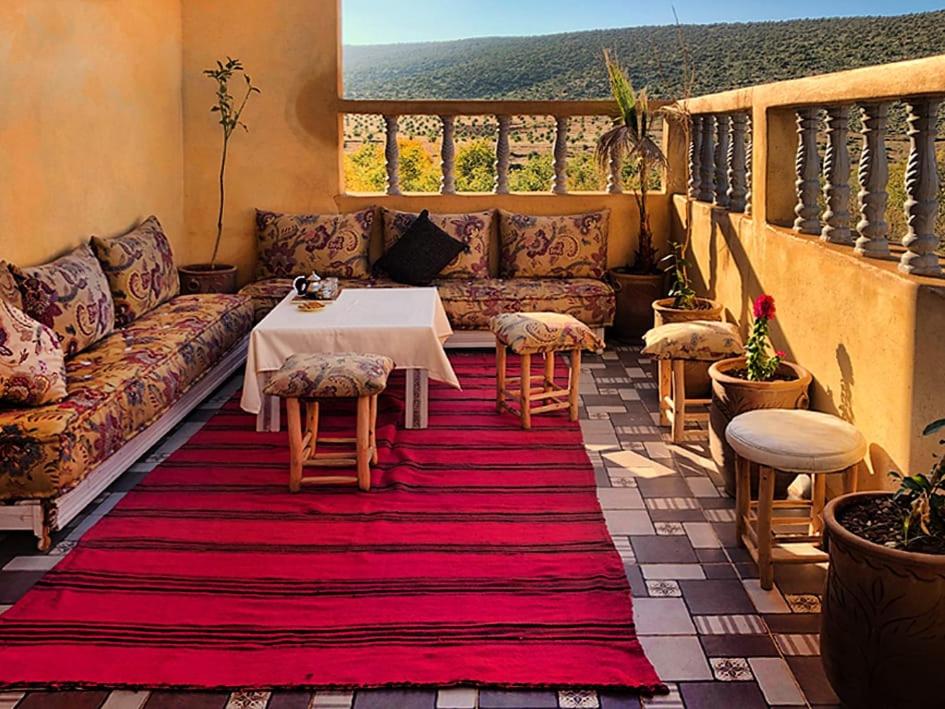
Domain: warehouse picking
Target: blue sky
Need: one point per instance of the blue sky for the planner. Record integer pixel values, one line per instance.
(386, 21)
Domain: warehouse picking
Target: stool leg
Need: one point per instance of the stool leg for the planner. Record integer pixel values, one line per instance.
(525, 388)
(574, 384)
(679, 400)
(294, 426)
(665, 373)
(742, 496)
(373, 432)
(765, 505)
(312, 424)
(364, 442)
(549, 371)
(851, 477)
(500, 365)
(818, 498)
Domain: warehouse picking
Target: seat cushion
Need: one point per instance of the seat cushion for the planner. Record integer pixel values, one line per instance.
(473, 229)
(795, 440)
(140, 269)
(529, 333)
(32, 365)
(115, 389)
(571, 246)
(698, 339)
(9, 291)
(330, 376)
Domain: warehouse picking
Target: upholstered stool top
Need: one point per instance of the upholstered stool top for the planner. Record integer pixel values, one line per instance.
(330, 376)
(698, 339)
(796, 441)
(530, 333)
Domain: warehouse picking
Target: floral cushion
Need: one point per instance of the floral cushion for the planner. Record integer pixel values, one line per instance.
(573, 246)
(328, 244)
(115, 389)
(330, 376)
(140, 270)
(71, 296)
(9, 292)
(529, 333)
(32, 365)
(697, 339)
(473, 229)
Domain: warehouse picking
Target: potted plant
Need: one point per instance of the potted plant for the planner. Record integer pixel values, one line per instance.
(629, 143)
(883, 620)
(214, 277)
(758, 380)
(682, 305)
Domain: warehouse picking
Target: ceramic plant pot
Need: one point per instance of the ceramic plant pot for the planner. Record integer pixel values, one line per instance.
(635, 293)
(202, 278)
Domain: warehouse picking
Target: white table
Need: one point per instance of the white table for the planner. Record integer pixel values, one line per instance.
(409, 325)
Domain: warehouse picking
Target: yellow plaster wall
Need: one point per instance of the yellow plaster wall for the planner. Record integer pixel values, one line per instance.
(90, 122)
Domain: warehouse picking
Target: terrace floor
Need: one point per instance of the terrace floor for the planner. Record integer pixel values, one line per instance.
(713, 635)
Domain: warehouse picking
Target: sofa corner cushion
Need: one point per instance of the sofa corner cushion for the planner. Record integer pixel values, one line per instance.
(568, 246)
(328, 244)
(472, 228)
(70, 295)
(140, 269)
(9, 291)
(32, 364)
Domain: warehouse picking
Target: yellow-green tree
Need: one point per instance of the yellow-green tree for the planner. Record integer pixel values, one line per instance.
(418, 172)
(534, 175)
(475, 166)
(364, 169)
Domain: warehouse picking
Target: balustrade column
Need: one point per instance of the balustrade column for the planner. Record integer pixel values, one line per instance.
(560, 183)
(737, 190)
(614, 178)
(873, 239)
(392, 155)
(749, 143)
(447, 156)
(921, 190)
(502, 156)
(722, 141)
(695, 148)
(836, 228)
(807, 169)
(707, 161)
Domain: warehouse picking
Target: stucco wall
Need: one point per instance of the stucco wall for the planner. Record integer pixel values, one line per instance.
(90, 122)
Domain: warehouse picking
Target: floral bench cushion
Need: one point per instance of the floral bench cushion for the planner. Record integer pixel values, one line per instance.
(570, 246)
(330, 376)
(115, 389)
(531, 333)
(698, 339)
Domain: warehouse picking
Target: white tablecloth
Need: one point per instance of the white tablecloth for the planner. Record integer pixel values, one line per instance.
(409, 325)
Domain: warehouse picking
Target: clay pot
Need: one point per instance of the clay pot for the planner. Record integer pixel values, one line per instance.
(204, 278)
(882, 632)
(635, 293)
(697, 373)
(732, 396)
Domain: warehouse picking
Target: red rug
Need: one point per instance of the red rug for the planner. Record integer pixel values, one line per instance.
(480, 557)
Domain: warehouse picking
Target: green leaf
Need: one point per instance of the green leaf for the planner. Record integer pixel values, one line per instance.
(933, 427)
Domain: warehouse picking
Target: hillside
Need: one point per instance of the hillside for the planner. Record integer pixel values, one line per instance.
(568, 66)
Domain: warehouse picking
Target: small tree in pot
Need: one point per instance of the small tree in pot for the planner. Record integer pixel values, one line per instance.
(214, 277)
(883, 616)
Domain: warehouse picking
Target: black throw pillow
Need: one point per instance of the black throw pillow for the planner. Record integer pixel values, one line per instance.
(420, 254)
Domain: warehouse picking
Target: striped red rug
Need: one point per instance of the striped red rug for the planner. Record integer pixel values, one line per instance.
(480, 557)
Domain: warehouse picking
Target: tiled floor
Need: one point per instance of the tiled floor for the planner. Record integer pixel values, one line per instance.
(714, 636)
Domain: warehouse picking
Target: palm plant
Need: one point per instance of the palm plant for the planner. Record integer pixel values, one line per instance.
(629, 142)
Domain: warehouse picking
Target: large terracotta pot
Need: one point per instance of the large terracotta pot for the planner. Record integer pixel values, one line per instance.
(202, 278)
(732, 396)
(882, 632)
(635, 293)
(698, 384)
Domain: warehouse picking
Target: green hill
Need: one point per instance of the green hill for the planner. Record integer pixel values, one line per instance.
(568, 66)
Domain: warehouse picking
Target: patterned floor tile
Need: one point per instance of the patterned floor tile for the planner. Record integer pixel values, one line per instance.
(731, 669)
(798, 643)
(248, 700)
(671, 700)
(669, 528)
(735, 624)
(625, 549)
(672, 503)
(803, 602)
(578, 699)
(776, 680)
(663, 589)
(457, 698)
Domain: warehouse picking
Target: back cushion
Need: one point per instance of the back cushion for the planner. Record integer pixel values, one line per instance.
(474, 230)
(572, 246)
(32, 365)
(9, 293)
(71, 296)
(140, 270)
(328, 244)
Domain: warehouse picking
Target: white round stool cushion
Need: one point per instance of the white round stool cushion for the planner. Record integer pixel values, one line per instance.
(795, 440)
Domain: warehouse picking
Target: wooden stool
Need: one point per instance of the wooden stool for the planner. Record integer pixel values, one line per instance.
(308, 380)
(677, 344)
(790, 441)
(528, 334)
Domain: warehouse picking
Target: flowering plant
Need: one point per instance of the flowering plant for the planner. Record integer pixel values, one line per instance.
(759, 364)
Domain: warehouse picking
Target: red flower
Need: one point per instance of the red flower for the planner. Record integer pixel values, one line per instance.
(764, 307)
(781, 354)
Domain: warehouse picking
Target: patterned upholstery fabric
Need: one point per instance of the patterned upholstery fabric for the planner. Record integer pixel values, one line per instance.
(330, 376)
(697, 339)
(140, 270)
(9, 292)
(328, 244)
(573, 246)
(472, 304)
(267, 293)
(529, 333)
(117, 388)
(474, 230)
(70, 295)
(32, 365)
